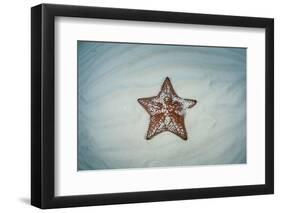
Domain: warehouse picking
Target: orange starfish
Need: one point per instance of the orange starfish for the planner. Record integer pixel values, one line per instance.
(166, 111)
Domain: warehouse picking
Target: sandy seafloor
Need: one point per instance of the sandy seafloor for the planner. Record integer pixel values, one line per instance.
(112, 125)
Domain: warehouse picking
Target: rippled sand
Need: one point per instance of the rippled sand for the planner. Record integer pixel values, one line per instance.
(112, 124)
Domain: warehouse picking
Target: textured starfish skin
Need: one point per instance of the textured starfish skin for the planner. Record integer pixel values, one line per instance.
(166, 111)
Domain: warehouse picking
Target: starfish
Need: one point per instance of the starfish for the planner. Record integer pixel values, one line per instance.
(167, 111)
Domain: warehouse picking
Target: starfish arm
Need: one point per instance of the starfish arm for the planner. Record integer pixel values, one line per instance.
(167, 88)
(150, 105)
(177, 126)
(156, 125)
(189, 103)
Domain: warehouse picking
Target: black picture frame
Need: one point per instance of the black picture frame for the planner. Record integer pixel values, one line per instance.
(43, 102)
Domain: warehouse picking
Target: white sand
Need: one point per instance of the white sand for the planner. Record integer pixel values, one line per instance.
(113, 125)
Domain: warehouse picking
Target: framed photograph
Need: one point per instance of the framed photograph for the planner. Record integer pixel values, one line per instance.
(139, 106)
